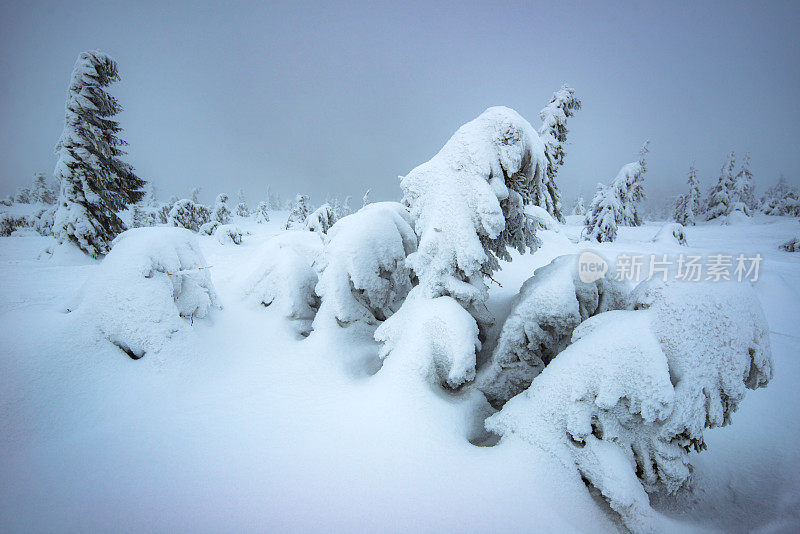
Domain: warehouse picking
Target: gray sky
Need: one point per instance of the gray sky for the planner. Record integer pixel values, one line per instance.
(333, 99)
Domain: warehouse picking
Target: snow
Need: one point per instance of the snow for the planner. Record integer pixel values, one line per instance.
(671, 233)
(240, 424)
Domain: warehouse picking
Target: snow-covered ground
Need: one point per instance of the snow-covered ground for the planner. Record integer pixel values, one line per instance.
(246, 425)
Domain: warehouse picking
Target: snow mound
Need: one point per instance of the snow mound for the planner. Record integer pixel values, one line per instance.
(209, 228)
(736, 217)
(628, 399)
(545, 312)
(152, 284)
(433, 338)
(542, 218)
(363, 276)
(284, 277)
(321, 219)
(228, 234)
(671, 233)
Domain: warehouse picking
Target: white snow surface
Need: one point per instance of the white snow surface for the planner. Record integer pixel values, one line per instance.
(240, 424)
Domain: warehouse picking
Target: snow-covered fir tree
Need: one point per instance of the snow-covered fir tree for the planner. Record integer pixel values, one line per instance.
(579, 208)
(553, 133)
(321, 219)
(241, 207)
(95, 182)
(23, 195)
(41, 192)
(604, 211)
(221, 213)
(195, 195)
(262, 212)
(687, 206)
(365, 200)
(720, 201)
(298, 214)
(743, 195)
(781, 199)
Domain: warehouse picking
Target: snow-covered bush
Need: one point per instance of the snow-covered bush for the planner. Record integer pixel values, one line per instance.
(781, 199)
(284, 276)
(737, 215)
(299, 213)
(43, 221)
(321, 219)
(550, 305)
(363, 276)
(23, 195)
(152, 285)
(95, 182)
(9, 224)
(221, 212)
(144, 216)
(793, 245)
(671, 233)
(187, 214)
(228, 234)
(241, 208)
(262, 213)
(436, 339)
(209, 228)
(6, 201)
(162, 213)
(553, 133)
(633, 394)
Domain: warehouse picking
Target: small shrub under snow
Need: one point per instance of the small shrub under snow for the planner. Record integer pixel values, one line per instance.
(673, 233)
(321, 219)
(209, 228)
(152, 284)
(228, 234)
(187, 214)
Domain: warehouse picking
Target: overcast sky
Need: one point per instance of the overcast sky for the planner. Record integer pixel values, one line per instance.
(333, 99)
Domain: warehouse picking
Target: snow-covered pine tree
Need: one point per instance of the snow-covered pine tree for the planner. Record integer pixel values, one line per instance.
(187, 214)
(579, 208)
(274, 200)
(299, 213)
(321, 219)
(241, 208)
(95, 182)
(553, 133)
(720, 201)
(195, 195)
(23, 195)
(41, 191)
(365, 200)
(601, 218)
(629, 184)
(150, 198)
(262, 212)
(743, 195)
(781, 199)
(687, 206)
(221, 213)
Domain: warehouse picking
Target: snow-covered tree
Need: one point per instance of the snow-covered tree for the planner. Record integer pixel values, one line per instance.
(467, 208)
(40, 191)
(9, 223)
(7, 200)
(363, 276)
(95, 182)
(365, 200)
(162, 213)
(579, 208)
(187, 214)
(720, 201)
(687, 206)
(604, 211)
(321, 219)
(262, 212)
(43, 221)
(195, 195)
(23, 195)
(150, 196)
(781, 199)
(228, 234)
(241, 207)
(274, 200)
(299, 213)
(553, 133)
(144, 216)
(742, 195)
(550, 305)
(628, 400)
(221, 212)
(209, 228)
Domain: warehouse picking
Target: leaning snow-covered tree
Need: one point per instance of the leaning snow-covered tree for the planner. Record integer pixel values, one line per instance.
(299, 213)
(262, 212)
(95, 182)
(363, 277)
(241, 208)
(553, 133)
(221, 212)
(721, 199)
(321, 219)
(550, 305)
(630, 398)
(467, 204)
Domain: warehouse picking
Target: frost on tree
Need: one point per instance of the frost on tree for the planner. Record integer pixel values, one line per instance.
(688, 206)
(467, 205)
(228, 234)
(672, 233)
(553, 134)
(241, 208)
(781, 199)
(616, 204)
(299, 213)
(321, 219)
(187, 214)
(363, 277)
(152, 286)
(631, 397)
(262, 212)
(221, 212)
(95, 182)
(721, 200)
(550, 305)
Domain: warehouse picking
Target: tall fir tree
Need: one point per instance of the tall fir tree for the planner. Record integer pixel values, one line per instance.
(720, 201)
(743, 193)
(553, 133)
(241, 207)
(95, 182)
(687, 207)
